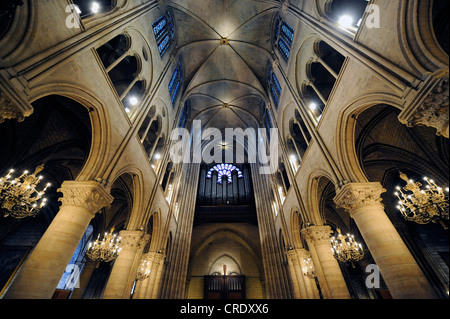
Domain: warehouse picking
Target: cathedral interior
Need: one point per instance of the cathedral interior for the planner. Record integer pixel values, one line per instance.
(350, 98)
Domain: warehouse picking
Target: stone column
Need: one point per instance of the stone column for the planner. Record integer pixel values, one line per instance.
(297, 283)
(141, 285)
(154, 281)
(85, 276)
(175, 279)
(328, 271)
(276, 276)
(400, 271)
(123, 274)
(310, 284)
(43, 269)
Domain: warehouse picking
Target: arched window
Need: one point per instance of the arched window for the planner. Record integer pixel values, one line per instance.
(184, 116)
(114, 50)
(224, 170)
(175, 82)
(285, 178)
(274, 86)
(300, 136)
(88, 8)
(315, 104)
(347, 13)
(323, 71)
(283, 38)
(164, 32)
(225, 184)
(124, 71)
(151, 137)
(268, 122)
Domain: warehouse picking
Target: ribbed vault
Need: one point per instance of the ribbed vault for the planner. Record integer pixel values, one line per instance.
(226, 49)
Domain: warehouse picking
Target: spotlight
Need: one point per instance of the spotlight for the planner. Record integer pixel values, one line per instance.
(133, 100)
(95, 8)
(346, 21)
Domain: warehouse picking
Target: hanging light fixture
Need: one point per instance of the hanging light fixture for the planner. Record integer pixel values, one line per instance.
(422, 206)
(309, 270)
(144, 269)
(105, 250)
(346, 249)
(19, 197)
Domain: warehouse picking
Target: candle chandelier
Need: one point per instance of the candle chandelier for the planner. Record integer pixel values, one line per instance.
(19, 197)
(105, 250)
(309, 270)
(144, 269)
(346, 249)
(422, 206)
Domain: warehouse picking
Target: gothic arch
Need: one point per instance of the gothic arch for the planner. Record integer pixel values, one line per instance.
(138, 192)
(214, 261)
(313, 191)
(419, 37)
(298, 222)
(345, 133)
(157, 243)
(304, 54)
(233, 235)
(100, 122)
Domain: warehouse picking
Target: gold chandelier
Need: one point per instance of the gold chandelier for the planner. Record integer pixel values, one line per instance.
(105, 250)
(144, 269)
(309, 270)
(346, 249)
(422, 206)
(19, 197)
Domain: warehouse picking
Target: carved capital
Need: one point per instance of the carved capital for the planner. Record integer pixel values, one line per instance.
(292, 256)
(319, 235)
(8, 110)
(298, 255)
(303, 254)
(90, 195)
(433, 111)
(354, 196)
(133, 239)
(158, 259)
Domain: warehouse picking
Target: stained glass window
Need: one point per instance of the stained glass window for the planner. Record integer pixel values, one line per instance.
(283, 38)
(176, 82)
(224, 170)
(274, 87)
(184, 115)
(268, 122)
(164, 31)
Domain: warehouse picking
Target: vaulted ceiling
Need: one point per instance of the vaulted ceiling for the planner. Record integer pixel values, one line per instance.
(233, 73)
